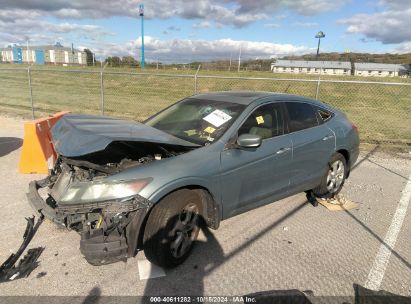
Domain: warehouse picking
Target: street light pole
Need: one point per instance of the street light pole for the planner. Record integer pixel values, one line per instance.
(319, 35)
(141, 8)
(28, 52)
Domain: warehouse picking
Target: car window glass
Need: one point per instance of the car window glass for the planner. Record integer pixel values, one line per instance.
(266, 121)
(301, 116)
(196, 120)
(323, 114)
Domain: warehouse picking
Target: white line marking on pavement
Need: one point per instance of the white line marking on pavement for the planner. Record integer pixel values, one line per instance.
(146, 270)
(381, 260)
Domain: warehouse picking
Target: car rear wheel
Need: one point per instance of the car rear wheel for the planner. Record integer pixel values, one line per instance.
(333, 180)
(172, 228)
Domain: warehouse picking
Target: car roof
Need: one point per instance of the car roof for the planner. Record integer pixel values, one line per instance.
(244, 97)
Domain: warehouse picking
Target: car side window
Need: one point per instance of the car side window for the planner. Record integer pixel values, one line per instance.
(301, 116)
(266, 121)
(323, 115)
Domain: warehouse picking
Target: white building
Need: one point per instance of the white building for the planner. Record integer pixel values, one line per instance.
(381, 69)
(46, 54)
(312, 67)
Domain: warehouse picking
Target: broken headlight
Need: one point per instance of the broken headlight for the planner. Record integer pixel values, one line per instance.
(91, 192)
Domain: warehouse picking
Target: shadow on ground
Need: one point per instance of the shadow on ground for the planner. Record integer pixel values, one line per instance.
(188, 278)
(9, 144)
(367, 158)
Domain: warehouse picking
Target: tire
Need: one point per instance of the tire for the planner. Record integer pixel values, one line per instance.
(334, 178)
(172, 228)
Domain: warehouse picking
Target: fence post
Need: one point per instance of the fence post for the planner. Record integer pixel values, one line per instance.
(30, 92)
(102, 92)
(318, 85)
(195, 79)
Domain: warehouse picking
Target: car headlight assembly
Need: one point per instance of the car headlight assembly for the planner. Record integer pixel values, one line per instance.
(86, 192)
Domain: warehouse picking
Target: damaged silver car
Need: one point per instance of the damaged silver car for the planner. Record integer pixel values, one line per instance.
(128, 186)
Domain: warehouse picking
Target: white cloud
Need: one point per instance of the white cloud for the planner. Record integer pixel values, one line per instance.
(27, 18)
(403, 48)
(302, 7)
(190, 50)
(229, 12)
(391, 25)
(201, 25)
(20, 26)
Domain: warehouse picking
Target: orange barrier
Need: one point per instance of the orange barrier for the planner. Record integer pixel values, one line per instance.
(38, 154)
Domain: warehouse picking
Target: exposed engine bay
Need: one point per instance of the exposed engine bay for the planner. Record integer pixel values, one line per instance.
(117, 157)
(106, 214)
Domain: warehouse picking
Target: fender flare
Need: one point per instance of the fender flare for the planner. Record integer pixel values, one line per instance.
(212, 211)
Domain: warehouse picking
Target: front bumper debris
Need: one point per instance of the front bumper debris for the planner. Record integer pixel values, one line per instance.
(39, 205)
(8, 270)
(109, 229)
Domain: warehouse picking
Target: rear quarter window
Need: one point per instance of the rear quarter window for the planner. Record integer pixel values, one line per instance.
(301, 116)
(323, 115)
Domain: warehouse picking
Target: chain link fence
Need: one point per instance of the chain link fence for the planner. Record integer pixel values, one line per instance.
(380, 109)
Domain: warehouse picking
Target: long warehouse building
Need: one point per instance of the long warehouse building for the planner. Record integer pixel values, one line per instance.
(46, 54)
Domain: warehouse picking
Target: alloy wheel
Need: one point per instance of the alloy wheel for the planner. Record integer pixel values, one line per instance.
(335, 176)
(184, 231)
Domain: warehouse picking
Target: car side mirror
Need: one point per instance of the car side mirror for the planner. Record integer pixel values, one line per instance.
(249, 141)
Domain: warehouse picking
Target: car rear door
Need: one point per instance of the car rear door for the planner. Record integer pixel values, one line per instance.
(313, 144)
(249, 177)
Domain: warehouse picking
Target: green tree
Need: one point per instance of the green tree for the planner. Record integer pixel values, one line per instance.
(114, 61)
(129, 61)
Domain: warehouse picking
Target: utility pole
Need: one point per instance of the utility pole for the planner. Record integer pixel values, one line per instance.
(239, 60)
(72, 54)
(28, 51)
(141, 9)
(229, 68)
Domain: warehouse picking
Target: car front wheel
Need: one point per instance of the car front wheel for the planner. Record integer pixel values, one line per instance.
(333, 180)
(172, 228)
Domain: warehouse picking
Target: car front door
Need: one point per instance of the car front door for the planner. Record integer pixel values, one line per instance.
(251, 176)
(313, 145)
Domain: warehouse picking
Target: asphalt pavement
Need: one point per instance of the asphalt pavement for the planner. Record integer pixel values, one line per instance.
(286, 245)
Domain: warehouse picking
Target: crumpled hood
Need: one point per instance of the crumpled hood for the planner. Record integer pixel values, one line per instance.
(76, 135)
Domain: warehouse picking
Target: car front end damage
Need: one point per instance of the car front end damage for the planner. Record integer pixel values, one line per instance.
(87, 191)
(108, 215)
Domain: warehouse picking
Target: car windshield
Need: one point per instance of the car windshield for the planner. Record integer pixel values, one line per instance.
(197, 121)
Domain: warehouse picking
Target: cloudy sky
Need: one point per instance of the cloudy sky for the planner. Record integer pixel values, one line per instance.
(184, 30)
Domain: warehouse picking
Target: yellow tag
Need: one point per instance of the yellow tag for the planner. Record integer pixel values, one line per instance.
(260, 120)
(190, 132)
(209, 130)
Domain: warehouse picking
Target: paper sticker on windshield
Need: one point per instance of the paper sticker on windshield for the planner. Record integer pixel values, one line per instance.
(260, 120)
(217, 118)
(191, 132)
(209, 130)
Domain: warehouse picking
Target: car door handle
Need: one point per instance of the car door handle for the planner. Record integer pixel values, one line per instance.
(328, 137)
(283, 150)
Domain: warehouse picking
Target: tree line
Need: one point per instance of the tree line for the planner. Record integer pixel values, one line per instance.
(262, 64)
(114, 61)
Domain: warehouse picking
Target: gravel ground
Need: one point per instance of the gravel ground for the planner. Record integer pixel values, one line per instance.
(288, 244)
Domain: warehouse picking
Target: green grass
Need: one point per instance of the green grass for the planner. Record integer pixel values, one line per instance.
(380, 111)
